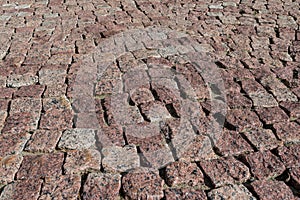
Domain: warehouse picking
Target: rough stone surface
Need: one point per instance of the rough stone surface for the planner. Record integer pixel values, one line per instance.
(77, 139)
(231, 192)
(182, 173)
(225, 171)
(265, 165)
(120, 159)
(268, 189)
(101, 186)
(82, 161)
(143, 183)
(185, 193)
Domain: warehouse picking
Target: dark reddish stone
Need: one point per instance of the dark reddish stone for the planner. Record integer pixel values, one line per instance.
(243, 119)
(183, 173)
(22, 189)
(141, 96)
(43, 141)
(225, 171)
(238, 100)
(101, 186)
(33, 91)
(272, 115)
(38, 166)
(143, 183)
(262, 139)
(12, 143)
(290, 155)
(9, 166)
(264, 165)
(114, 133)
(287, 131)
(56, 119)
(268, 189)
(61, 187)
(20, 122)
(231, 192)
(184, 193)
(231, 143)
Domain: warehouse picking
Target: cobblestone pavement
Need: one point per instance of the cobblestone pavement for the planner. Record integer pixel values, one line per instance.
(96, 96)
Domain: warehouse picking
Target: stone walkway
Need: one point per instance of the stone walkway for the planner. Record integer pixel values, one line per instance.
(156, 99)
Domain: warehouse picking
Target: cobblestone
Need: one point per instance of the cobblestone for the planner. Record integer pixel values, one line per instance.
(167, 74)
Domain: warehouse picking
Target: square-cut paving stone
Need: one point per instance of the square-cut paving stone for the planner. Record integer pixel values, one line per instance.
(20, 122)
(78, 161)
(264, 165)
(238, 100)
(56, 119)
(160, 157)
(141, 96)
(184, 193)
(268, 189)
(88, 120)
(231, 143)
(16, 80)
(262, 99)
(284, 94)
(136, 78)
(6, 93)
(287, 131)
(155, 111)
(181, 173)
(146, 136)
(223, 171)
(12, 143)
(191, 147)
(52, 74)
(111, 135)
(143, 183)
(231, 192)
(101, 186)
(272, 115)
(61, 187)
(29, 105)
(60, 102)
(55, 90)
(120, 159)
(290, 155)
(262, 139)
(40, 166)
(3, 81)
(22, 189)
(43, 141)
(78, 139)
(295, 176)
(9, 166)
(32, 91)
(293, 109)
(243, 120)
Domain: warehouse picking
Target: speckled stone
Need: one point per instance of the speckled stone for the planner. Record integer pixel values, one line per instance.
(264, 164)
(101, 186)
(295, 176)
(61, 187)
(288, 131)
(184, 193)
(43, 141)
(78, 161)
(181, 173)
(272, 115)
(9, 166)
(290, 154)
(38, 166)
(268, 189)
(143, 183)
(22, 189)
(231, 192)
(120, 159)
(262, 139)
(12, 143)
(224, 171)
(77, 139)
